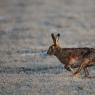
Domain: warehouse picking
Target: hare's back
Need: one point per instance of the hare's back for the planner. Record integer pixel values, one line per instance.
(77, 51)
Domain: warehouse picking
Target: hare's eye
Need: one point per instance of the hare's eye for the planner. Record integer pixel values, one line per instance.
(52, 47)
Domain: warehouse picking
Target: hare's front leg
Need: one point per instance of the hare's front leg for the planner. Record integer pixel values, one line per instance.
(72, 60)
(68, 67)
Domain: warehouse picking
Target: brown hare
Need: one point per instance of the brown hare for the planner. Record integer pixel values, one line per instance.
(70, 57)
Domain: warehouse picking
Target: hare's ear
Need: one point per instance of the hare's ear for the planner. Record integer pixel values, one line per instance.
(53, 38)
(57, 37)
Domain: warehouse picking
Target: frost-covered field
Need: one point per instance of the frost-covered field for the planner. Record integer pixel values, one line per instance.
(25, 28)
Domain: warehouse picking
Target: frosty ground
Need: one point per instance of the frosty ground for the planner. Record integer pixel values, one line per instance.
(25, 28)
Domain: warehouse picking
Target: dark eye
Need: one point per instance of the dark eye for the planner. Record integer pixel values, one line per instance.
(52, 47)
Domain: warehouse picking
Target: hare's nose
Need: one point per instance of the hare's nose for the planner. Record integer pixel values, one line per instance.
(48, 52)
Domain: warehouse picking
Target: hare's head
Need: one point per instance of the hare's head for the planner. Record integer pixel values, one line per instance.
(54, 47)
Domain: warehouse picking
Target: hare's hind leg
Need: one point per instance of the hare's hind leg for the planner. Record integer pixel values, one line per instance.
(86, 72)
(83, 65)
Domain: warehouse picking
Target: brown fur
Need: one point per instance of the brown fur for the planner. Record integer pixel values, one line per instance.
(89, 60)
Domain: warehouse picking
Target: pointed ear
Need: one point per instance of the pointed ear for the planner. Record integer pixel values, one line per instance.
(57, 37)
(53, 38)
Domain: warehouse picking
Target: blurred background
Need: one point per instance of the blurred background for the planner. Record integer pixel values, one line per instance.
(28, 24)
(25, 29)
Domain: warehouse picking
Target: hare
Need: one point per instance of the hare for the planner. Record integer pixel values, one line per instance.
(70, 57)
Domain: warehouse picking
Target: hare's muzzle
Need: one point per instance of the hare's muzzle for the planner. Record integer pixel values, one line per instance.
(49, 52)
